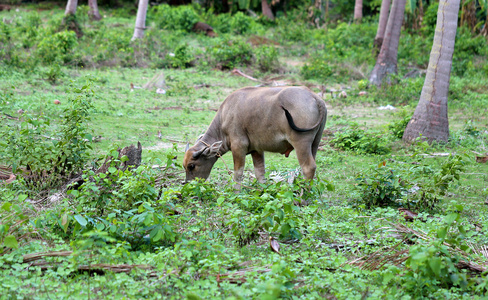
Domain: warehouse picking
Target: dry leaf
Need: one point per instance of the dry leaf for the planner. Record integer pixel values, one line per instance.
(481, 159)
(275, 246)
(408, 215)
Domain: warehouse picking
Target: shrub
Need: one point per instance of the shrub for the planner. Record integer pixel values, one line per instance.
(267, 58)
(181, 17)
(382, 187)
(397, 128)
(240, 23)
(316, 69)
(50, 160)
(58, 47)
(361, 141)
(182, 57)
(227, 53)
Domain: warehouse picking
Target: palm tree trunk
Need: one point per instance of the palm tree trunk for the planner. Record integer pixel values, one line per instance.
(94, 13)
(266, 10)
(358, 10)
(387, 59)
(71, 7)
(140, 20)
(380, 33)
(430, 117)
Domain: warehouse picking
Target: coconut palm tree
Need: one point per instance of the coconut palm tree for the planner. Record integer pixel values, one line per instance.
(71, 7)
(94, 13)
(387, 59)
(140, 20)
(430, 117)
(380, 33)
(358, 10)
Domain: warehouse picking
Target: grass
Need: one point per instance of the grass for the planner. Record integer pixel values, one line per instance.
(221, 245)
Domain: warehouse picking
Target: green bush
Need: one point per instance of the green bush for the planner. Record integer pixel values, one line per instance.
(316, 69)
(267, 58)
(181, 17)
(50, 161)
(228, 53)
(403, 116)
(58, 47)
(434, 266)
(182, 57)
(360, 141)
(241, 23)
(382, 187)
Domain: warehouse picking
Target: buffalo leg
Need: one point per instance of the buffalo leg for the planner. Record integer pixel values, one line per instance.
(239, 163)
(258, 161)
(306, 160)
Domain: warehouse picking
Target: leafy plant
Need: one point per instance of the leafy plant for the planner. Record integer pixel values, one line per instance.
(58, 47)
(384, 187)
(316, 69)
(434, 266)
(361, 141)
(181, 17)
(45, 156)
(397, 128)
(230, 53)
(266, 58)
(182, 57)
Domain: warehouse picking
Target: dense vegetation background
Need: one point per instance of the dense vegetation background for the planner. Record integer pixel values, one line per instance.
(382, 219)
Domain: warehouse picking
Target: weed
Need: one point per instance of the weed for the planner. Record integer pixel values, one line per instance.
(360, 141)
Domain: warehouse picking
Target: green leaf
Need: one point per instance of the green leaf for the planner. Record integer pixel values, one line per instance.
(449, 219)
(6, 206)
(22, 197)
(442, 232)
(81, 220)
(112, 169)
(435, 264)
(11, 242)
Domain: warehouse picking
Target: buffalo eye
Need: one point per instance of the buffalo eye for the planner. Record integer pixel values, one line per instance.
(191, 167)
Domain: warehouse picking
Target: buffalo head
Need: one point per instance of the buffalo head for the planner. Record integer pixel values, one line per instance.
(199, 159)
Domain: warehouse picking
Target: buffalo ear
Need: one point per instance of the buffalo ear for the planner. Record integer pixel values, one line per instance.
(213, 150)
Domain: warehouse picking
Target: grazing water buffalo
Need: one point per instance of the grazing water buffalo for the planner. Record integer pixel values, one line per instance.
(253, 120)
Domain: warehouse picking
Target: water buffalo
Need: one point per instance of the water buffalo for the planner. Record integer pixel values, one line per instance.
(253, 120)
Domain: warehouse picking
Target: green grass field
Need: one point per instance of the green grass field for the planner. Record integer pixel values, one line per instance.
(341, 236)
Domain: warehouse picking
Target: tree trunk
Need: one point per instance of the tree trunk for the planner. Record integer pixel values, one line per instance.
(358, 10)
(71, 7)
(387, 59)
(430, 117)
(266, 10)
(380, 33)
(140, 20)
(94, 13)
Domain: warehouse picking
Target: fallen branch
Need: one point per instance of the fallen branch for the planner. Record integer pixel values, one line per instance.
(239, 72)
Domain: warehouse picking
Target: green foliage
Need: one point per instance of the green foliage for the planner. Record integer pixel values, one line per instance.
(403, 116)
(316, 69)
(240, 23)
(48, 153)
(182, 57)
(12, 221)
(181, 17)
(58, 47)
(433, 266)
(382, 187)
(361, 141)
(404, 92)
(267, 58)
(228, 53)
(395, 187)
